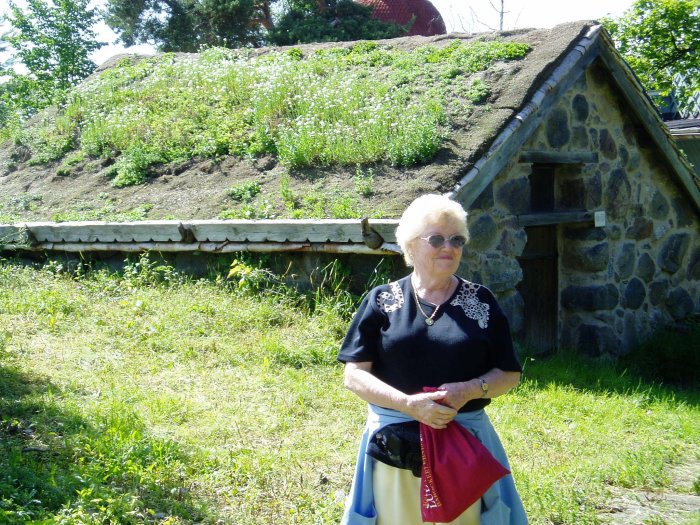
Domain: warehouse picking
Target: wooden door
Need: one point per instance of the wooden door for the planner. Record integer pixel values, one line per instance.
(540, 288)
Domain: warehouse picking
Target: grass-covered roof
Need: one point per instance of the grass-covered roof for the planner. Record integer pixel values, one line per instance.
(329, 130)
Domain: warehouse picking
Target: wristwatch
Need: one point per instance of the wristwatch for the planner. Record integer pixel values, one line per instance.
(484, 387)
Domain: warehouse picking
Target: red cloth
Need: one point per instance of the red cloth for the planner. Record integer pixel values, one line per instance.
(457, 470)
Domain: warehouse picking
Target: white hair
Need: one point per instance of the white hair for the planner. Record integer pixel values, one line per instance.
(427, 209)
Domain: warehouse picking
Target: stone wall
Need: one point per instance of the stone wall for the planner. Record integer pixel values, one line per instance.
(619, 282)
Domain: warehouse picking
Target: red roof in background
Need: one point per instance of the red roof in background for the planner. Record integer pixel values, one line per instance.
(428, 20)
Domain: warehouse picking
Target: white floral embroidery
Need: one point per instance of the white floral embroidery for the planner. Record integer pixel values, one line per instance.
(391, 301)
(473, 308)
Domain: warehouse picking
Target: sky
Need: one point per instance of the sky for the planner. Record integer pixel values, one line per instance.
(459, 15)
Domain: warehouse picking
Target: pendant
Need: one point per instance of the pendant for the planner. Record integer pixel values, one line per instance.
(429, 321)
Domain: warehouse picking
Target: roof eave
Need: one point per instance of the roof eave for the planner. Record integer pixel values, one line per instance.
(523, 124)
(595, 44)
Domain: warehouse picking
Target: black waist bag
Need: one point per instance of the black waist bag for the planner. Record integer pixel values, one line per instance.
(398, 445)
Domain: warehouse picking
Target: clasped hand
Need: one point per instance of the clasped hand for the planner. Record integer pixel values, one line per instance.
(427, 408)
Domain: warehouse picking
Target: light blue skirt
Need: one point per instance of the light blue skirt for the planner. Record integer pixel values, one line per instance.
(500, 505)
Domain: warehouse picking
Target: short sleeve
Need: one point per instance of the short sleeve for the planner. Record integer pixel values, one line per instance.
(362, 338)
(502, 354)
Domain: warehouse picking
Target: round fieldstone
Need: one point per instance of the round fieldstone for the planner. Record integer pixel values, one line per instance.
(482, 233)
(501, 273)
(586, 233)
(624, 155)
(608, 147)
(634, 295)
(658, 290)
(624, 263)
(586, 258)
(557, 128)
(645, 268)
(580, 107)
(596, 340)
(590, 298)
(673, 251)
(515, 195)
(618, 192)
(641, 228)
(512, 242)
(679, 303)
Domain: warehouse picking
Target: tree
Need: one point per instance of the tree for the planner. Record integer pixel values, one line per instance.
(187, 25)
(313, 21)
(660, 39)
(53, 43)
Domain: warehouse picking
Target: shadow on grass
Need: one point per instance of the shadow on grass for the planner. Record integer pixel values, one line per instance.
(55, 463)
(602, 376)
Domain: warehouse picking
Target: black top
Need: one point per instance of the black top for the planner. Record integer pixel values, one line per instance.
(470, 337)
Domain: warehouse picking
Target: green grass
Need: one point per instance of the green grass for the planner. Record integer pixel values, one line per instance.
(148, 397)
(361, 105)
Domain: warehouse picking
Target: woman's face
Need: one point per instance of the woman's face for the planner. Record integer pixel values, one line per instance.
(437, 262)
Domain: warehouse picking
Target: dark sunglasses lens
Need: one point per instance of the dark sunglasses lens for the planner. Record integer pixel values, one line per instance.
(436, 241)
(458, 241)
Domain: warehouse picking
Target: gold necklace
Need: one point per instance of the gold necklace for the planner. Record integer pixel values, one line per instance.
(429, 320)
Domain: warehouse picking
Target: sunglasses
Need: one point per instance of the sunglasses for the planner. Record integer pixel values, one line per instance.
(437, 241)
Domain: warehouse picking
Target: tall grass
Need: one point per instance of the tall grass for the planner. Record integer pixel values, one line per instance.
(358, 105)
(148, 397)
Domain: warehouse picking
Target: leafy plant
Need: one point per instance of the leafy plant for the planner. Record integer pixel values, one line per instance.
(364, 181)
(245, 191)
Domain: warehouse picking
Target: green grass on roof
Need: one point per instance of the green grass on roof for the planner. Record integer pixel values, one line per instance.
(340, 106)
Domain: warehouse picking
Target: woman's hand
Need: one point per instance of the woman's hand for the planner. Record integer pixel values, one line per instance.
(459, 394)
(499, 381)
(426, 408)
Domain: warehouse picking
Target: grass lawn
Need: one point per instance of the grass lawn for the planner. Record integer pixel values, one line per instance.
(150, 398)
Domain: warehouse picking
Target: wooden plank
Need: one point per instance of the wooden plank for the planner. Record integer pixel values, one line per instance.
(558, 157)
(97, 231)
(334, 231)
(211, 247)
(338, 230)
(560, 217)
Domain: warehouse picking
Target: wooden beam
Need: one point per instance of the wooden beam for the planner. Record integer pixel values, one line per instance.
(554, 217)
(559, 157)
(207, 247)
(314, 231)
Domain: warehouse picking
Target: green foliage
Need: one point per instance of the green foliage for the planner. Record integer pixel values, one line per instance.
(245, 191)
(183, 25)
(363, 181)
(659, 39)
(343, 20)
(53, 43)
(134, 164)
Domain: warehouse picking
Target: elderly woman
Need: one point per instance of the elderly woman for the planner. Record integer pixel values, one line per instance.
(428, 329)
